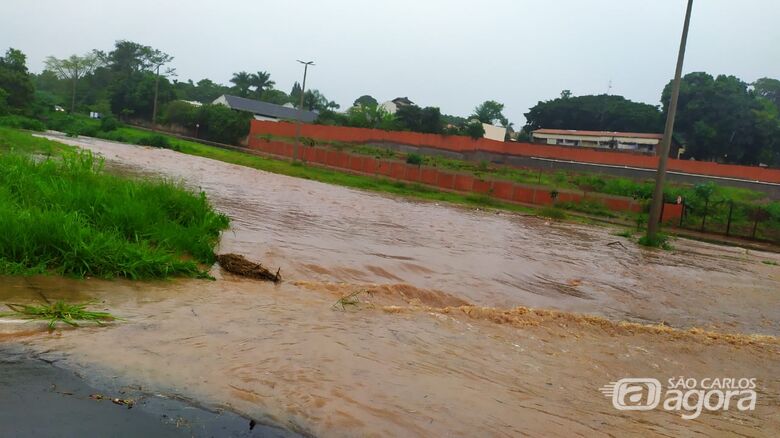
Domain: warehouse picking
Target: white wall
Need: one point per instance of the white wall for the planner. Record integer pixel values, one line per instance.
(494, 132)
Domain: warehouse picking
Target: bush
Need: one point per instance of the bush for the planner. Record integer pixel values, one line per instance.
(414, 159)
(155, 140)
(221, 124)
(109, 124)
(21, 122)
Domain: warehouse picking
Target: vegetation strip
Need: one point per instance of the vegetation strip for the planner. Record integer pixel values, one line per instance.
(63, 214)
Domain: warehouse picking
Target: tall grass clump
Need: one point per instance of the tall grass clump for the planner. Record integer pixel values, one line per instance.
(65, 215)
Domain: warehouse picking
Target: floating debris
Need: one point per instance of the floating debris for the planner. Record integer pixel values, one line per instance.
(239, 265)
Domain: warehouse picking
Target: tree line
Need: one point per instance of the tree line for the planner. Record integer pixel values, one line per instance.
(721, 118)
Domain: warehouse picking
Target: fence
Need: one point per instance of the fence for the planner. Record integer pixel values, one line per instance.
(461, 144)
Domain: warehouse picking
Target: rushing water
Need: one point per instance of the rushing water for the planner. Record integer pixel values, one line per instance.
(284, 354)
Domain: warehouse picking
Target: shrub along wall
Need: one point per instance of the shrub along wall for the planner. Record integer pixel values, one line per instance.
(463, 144)
(452, 181)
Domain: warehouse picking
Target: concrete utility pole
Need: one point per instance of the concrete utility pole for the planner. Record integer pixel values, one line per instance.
(306, 65)
(658, 192)
(156, 92)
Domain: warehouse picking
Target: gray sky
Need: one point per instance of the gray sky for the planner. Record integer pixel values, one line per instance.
(450, 54)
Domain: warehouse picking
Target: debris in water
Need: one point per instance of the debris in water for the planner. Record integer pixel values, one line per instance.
(238, 264)
(350, 299)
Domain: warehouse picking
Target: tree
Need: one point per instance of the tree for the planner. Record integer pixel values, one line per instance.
(262, 82)
(414, 118)
(365, 100)
(295, 94)
(768, 89)
(595, 113)
(16, 81)
(278, 97)
(242, 82)
(72, 69)
(565, 94)
(370, 116)
(491, 112)
(717, 119)
(474, 129)
(134, 79)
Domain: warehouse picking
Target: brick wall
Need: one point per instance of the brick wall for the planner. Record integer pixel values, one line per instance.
(461, 144)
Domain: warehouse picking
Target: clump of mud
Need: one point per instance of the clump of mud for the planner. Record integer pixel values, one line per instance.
(239, 265)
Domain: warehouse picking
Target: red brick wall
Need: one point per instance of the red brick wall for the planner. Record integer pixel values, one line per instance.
(446, 180)
(463, 144)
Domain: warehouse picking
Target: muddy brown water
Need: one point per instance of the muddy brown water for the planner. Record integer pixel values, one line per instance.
(284, 354)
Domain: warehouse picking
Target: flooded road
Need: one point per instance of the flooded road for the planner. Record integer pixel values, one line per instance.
(434, 348)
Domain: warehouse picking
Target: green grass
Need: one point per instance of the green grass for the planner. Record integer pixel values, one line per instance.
(59, 311)
(659, 241)
(65, 215)
(552, 213)
(769, 262)
(624, 233)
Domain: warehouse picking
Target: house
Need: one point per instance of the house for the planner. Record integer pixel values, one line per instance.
(630, 141)
(264, 110)
(391, 106)
(497, 133)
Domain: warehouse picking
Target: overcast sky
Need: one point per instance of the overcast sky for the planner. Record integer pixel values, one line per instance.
(450, 54)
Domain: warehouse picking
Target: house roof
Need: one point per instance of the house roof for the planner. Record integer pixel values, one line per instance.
(268, 109)
(598, 133)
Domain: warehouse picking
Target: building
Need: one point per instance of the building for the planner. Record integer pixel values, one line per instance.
(391, 106)
(629, 141)
(497, 133)
(264, 110)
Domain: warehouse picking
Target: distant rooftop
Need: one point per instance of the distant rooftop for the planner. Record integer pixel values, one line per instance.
(598, 133)
(265, 108)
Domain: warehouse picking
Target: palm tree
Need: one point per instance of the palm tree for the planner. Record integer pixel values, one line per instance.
(261, 81)
(242, 81)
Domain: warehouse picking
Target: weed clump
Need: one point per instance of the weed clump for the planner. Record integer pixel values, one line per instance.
(659, 241)
(59, 311)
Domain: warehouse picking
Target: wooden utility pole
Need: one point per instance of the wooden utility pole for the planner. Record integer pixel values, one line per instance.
(663, 158)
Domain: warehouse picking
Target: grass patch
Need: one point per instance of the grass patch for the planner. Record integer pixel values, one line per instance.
(57, 312)
(67, 216)
(769, 262)
(660, 240)
(628, 234)
(552, 213)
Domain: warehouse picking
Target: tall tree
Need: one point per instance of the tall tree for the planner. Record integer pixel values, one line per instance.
(595, 113)
(242, 82)
(262, 82)
(491, 112)
(769, 89)
(15, 80)
(716, 118)
(72, 69)
(365, 100)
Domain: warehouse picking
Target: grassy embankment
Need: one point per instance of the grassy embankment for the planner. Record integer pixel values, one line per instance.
(63, 214)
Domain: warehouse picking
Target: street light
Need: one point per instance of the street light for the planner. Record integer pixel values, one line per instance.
(658, 192)
(306, 65)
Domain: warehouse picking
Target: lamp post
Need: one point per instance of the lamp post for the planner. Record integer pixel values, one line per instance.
(306, 65)
(658, 193)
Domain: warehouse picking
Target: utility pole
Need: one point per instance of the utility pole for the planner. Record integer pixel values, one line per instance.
(306, 65)
(156, 92)
(658, 192)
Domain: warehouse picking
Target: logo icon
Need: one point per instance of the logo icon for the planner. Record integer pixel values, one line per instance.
(634, 394)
